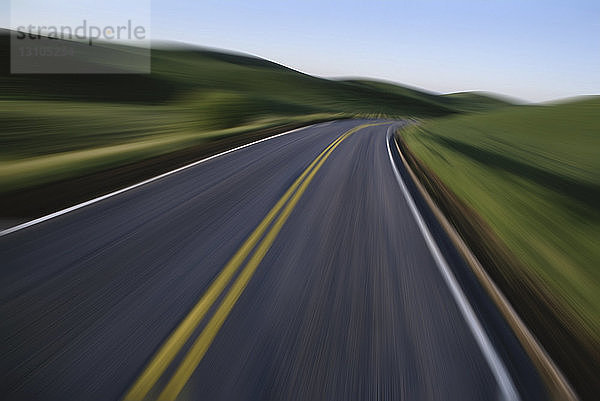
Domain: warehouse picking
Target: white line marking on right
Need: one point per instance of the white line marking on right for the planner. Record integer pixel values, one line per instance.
(509, 393)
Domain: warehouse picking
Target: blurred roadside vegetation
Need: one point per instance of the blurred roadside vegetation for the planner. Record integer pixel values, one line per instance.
(531, 174)
(55, 127)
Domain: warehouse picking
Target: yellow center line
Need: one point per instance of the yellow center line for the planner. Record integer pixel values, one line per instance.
(204, 340)
(165, 355)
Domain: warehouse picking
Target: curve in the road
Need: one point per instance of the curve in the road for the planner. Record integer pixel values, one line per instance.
(173, 345)
(137, 294)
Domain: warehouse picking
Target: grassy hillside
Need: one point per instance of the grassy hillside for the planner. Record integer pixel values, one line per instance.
(476, 101)
(531, 173)
(56, 126)
(179, 73)
(456, 102)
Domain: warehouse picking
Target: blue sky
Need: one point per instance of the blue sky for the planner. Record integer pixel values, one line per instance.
(534, 50)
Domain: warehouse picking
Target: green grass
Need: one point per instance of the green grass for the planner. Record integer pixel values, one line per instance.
(54, 127)
(531, 173)
(453, 102)
(50, 141)
(476, 101)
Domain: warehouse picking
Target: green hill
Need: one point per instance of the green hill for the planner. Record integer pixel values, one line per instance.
(56, 126)
(531, 174)
(454, 102)
(477, 101)
(181, 71)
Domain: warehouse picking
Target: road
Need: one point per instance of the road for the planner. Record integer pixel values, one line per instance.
(302, 267)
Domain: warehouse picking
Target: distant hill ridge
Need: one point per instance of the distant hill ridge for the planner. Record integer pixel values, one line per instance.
(182, 71)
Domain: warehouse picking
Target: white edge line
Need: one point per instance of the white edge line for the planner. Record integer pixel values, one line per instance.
(497, 366)
(139, 184)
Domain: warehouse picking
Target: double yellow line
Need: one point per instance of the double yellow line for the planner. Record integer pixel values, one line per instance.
(169, 350)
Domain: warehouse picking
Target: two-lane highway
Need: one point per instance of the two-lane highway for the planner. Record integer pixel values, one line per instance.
(296, 268)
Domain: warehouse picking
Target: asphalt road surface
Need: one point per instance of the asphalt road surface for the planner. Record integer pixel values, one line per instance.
(302, 267)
